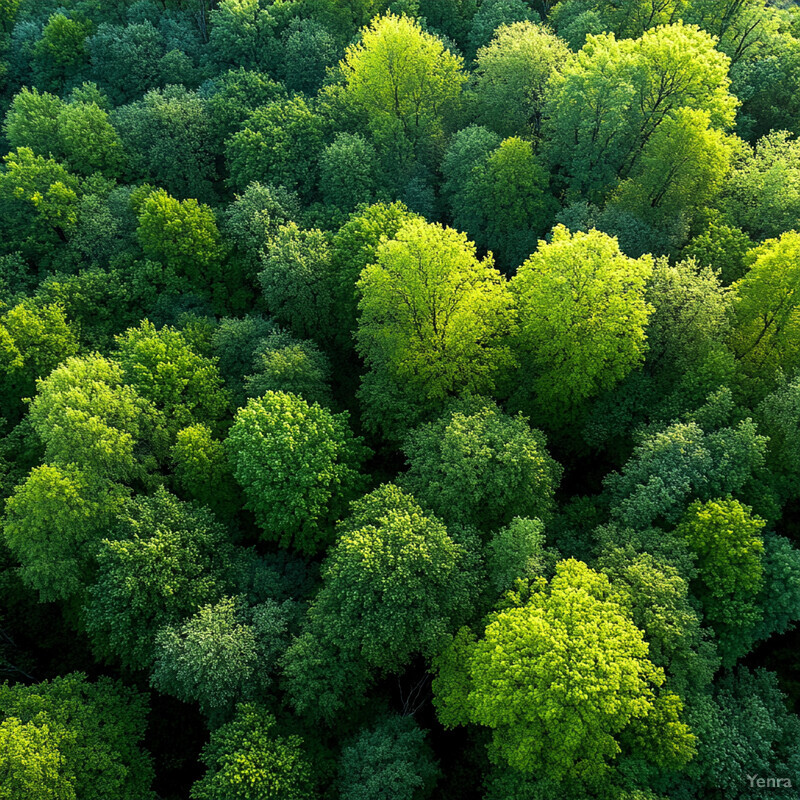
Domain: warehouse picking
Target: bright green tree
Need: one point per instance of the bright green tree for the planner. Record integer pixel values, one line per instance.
(681, 169)
(298, 465)
(726, 539)
(558, 678)
(765, 333)
(762, 193)
(34, 339)
(202, 470)
(354, 246)
(248, 759)
(582, 315)
(162, 367)
(31, 764)
(85, 414)
(405, 80)
(613, 95)
(53, 524)
(182, 234)
(39, 203)
(434, 322)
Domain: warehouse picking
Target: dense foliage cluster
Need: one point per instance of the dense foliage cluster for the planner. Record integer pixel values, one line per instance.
(399, 399)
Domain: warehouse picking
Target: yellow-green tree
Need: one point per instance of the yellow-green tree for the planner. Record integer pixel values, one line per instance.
(766, 326)
(404, 79)
(434, 323)
(582, 316)
(559, 676)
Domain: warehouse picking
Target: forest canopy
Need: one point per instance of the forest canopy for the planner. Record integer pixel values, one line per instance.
(399, 399)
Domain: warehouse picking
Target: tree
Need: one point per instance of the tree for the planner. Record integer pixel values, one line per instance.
(511, 77)
(33, 341)
(405, 80)
(60, 52)
(31, 764)
(182, 234)
(687, 356)
(223, 654)
(53, 524)
(39, 202)
(582, 315)
(296, 280)
(478, 466)
(169, 140)
(78, 133)
(89, 141)
(286, 364)
(613, 95)
(680, 170)
(389, 555)
(125, 59)
(252, 221)
(309, 50)
(764, 336)
(682, 462)
(512, 190)
(298, 465)
(466, 156)
(243, 34)
(165, 370)
(571, 645)
(745, 726)
(494, 14)
(348, 172)
(282, 140)
(166, 559)
(722, 248)
(516, 552)
(32, 121)
(726, 540)
(628, 21)
(89, 735)
(233, 96)
(86, 415)
(203, 472)
(663, 608)
(690, 318)
(247, 759)
(778, 417)
(433, 323)
(388, 761)
(236, 343)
